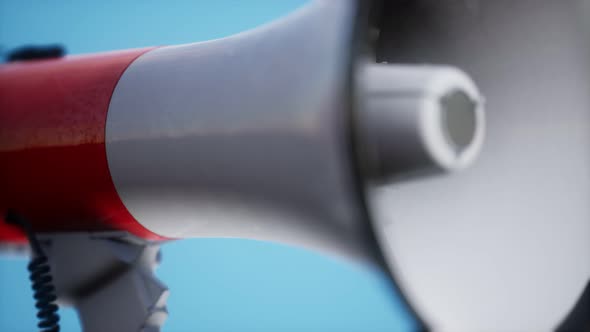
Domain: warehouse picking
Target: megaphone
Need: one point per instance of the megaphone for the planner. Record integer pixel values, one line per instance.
(295, 132)
(246, 136)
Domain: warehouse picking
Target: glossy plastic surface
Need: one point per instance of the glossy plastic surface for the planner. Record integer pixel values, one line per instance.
(53, 167)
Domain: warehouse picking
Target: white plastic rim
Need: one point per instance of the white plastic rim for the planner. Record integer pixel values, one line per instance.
(417, 119)
(434, 127)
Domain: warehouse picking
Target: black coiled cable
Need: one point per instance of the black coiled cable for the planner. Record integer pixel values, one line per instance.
(40, 275)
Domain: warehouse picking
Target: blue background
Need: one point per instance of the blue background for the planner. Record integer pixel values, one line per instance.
(216, 284)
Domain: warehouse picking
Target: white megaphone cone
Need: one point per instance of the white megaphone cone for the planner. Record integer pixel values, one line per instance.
(249, 136)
